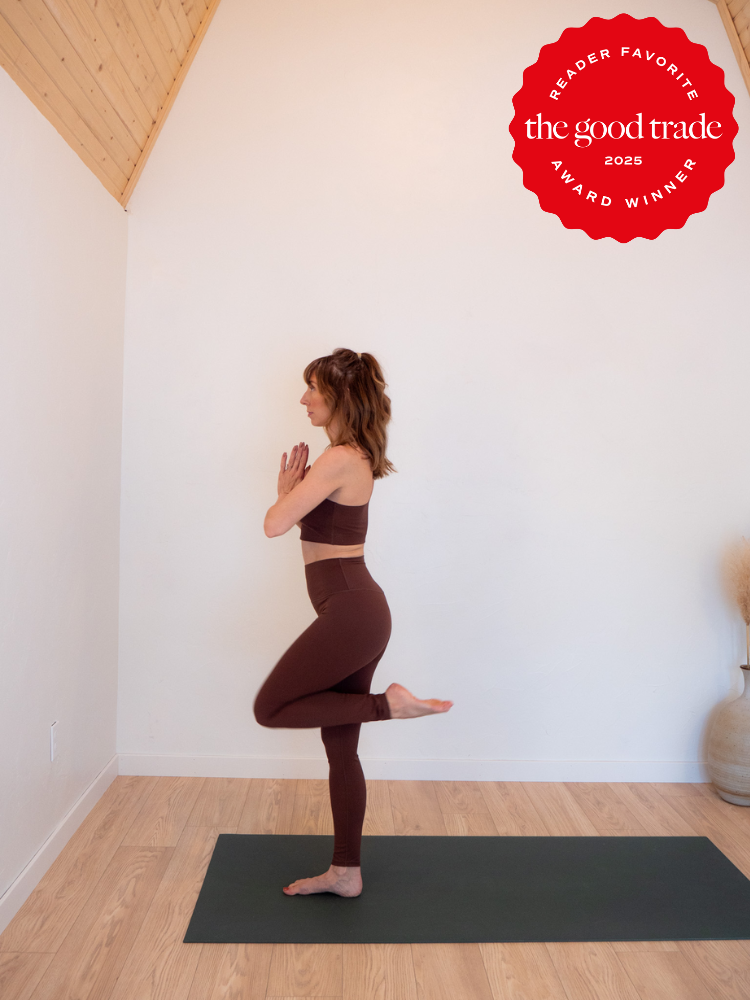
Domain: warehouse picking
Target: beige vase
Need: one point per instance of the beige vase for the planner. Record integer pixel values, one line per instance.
(729, 748)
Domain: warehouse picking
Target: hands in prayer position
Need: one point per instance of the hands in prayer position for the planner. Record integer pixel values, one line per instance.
(295, 470)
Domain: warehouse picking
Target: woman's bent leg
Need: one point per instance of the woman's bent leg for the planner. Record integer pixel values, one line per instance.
(304, 690)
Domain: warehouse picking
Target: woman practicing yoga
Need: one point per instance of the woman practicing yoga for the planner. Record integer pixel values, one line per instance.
(323, 679)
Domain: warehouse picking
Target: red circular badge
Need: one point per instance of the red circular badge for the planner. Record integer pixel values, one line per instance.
(623, 128)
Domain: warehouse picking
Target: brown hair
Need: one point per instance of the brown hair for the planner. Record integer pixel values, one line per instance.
(354, 388)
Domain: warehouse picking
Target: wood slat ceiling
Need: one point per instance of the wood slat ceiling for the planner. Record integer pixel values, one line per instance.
(736, 17)
(105, 73)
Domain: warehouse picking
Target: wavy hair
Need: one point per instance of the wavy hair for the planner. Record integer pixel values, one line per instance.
(354, 390)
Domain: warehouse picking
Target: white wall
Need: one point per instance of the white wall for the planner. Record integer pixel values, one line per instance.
(63, 243)
(570, 416)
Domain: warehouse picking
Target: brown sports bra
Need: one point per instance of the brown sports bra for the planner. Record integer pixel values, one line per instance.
(335, 524)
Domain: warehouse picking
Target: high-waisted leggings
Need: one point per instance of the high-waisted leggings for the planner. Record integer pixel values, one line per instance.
(323, 680)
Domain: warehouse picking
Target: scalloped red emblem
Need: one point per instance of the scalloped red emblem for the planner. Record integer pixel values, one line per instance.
(623, 128)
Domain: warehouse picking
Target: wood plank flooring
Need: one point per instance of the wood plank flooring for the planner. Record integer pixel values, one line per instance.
(107, 920)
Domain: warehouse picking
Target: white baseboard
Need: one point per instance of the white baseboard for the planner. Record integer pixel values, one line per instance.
(19, 891)
(184, 765)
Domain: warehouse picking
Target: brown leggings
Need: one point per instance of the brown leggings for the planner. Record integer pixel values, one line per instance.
(324, 680)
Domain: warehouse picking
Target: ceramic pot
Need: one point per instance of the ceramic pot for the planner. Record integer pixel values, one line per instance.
(729, 748)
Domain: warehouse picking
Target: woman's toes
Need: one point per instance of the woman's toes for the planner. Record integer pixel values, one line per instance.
(440, 706)
(404, 705)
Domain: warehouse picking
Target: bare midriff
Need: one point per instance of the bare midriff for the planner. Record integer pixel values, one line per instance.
(316, 551)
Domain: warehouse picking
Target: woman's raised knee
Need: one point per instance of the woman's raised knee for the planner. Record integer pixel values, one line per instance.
(266, 712)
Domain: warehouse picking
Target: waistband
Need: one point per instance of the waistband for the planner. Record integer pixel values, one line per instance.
(332, 576)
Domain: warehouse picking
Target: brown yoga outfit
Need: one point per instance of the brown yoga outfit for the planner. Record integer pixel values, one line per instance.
(324, 677)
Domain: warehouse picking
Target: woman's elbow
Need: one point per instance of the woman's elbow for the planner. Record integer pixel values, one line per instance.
(272, 528)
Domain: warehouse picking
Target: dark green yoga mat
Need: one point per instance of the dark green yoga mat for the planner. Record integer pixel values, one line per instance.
(454, 889)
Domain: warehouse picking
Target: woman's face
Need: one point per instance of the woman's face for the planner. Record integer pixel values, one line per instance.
(316, 406)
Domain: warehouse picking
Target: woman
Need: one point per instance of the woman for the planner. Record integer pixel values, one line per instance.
(323, 679)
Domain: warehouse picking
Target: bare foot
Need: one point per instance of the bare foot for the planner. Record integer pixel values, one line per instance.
(404, 705)
(342, 881)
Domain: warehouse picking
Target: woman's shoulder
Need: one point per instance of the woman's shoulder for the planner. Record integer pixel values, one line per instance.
(343, 465)
(342, 457)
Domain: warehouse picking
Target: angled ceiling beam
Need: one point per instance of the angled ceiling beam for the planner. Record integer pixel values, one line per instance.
(105, 73)
(167, 106)
(736, 17)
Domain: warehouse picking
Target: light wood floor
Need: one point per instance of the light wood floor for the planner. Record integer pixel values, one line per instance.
(109, 917)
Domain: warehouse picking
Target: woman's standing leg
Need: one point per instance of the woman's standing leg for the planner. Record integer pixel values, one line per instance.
(346, 784)
(346, 780)
(348, 791)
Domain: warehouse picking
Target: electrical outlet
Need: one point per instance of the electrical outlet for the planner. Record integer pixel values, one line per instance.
(53, 741)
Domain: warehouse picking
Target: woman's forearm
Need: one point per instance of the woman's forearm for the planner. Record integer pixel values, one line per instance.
(273, 523)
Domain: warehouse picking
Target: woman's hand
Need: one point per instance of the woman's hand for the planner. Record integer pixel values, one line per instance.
(303, 487)
(293, 472)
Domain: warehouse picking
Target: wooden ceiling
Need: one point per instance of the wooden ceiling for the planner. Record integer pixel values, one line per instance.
(105, 73)
(736, 17)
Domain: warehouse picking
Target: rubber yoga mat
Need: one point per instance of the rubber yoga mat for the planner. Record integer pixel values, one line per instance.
(471, 889)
